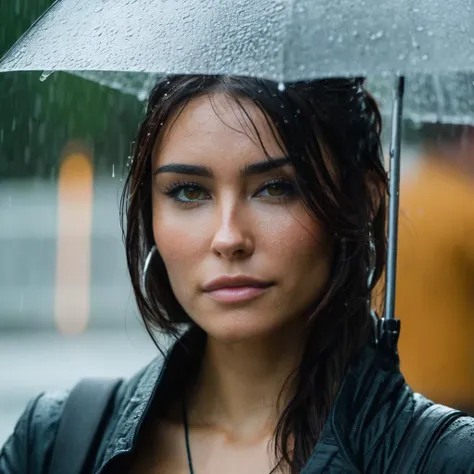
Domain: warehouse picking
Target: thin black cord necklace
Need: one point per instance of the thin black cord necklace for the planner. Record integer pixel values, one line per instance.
(188, 446)
(186, 437)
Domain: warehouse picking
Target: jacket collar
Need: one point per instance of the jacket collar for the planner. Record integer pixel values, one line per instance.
(367, 404)
(136, 396)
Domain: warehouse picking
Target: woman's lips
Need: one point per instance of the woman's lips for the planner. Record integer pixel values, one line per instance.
(236, 294)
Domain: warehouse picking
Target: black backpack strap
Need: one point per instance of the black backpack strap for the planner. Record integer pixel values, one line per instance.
(85, 413)
(416, 447)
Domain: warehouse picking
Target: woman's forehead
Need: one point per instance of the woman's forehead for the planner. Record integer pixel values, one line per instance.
(216, 126)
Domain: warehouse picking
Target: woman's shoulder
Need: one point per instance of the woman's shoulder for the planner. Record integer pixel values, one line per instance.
(454, 449)
(29, 447)
(26, 449)
(438, 440)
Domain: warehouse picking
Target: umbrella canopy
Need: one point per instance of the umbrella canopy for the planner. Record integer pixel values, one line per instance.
(429, 98)
(280, 40)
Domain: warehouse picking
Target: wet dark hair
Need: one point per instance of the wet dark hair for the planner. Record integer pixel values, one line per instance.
(346, 194)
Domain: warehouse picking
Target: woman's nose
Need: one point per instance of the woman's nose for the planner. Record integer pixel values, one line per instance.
(233, 238)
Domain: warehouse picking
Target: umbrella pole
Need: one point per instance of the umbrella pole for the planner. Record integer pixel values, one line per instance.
(390, 327)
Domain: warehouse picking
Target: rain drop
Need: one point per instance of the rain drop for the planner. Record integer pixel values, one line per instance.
(420, 28)
(45, 75)
(99, 9)
(281, 86)
(142, 95)
(113, 171)
(377, 35)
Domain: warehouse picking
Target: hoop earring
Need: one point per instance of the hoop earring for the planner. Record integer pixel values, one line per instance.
(147, 265)
(372, 259)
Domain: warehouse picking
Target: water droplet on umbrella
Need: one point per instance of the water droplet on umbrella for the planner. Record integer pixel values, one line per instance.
(45, 75)
(377, 35)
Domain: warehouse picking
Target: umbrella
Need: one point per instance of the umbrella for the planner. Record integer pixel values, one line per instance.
(280, 40)
(429, 98)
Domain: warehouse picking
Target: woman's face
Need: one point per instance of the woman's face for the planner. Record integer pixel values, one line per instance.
(243, 256)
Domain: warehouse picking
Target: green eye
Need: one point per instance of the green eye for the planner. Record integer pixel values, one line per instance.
(186, 192)
(190, 193)
(277, 189)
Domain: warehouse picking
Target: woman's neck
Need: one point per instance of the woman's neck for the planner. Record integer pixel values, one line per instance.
(241, 387)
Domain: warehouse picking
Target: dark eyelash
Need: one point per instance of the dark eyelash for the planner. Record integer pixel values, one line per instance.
(174, 188)
(288, 184)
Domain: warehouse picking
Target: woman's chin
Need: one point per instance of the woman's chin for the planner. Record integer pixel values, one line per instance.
(237, 327)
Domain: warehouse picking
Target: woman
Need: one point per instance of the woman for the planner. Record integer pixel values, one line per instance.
(255, 222)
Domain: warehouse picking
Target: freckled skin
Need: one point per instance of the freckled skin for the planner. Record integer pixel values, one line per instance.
(231, 230)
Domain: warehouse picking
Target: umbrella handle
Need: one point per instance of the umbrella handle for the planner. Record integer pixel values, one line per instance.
(389, 326)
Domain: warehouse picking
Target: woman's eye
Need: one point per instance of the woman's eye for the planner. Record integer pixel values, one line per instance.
(187, 193)
(277, 189)
(191, 193)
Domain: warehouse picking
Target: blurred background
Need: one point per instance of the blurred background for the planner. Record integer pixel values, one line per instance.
(66, 306)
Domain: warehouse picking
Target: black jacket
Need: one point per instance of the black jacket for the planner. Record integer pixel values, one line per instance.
(366, 431)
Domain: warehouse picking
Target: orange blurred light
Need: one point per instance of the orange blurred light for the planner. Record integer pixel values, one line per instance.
(73, 253)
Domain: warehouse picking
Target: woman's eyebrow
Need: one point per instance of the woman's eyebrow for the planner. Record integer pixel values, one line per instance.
(206, 172)
(181, 168)
(266, 166)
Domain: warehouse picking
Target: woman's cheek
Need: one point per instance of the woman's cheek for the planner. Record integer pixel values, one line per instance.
(179, 236)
